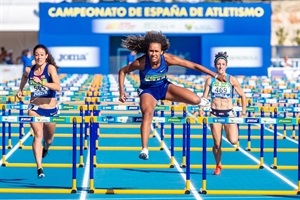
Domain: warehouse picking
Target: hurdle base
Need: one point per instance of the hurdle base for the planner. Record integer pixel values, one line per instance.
(273, 167)
(201, 191)
(73, 191)
(140, 191)
(35, 191)
(81, 165)
(187, 192)
(251, 192)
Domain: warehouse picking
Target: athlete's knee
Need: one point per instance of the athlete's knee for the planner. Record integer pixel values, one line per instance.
(147, 116)
(38, 134)
(48, 140)
(233, 141)
(217, 146)
(38, 137)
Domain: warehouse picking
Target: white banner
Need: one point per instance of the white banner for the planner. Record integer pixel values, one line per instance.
(164, 25)
(240, 56)
(76, 56)
(10, 72)
(21, 15)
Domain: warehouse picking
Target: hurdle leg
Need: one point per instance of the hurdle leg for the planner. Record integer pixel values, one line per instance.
(204, 153)
(188, 158)
(74, 150)
(172, 164)
(92, 152)
(274, 166)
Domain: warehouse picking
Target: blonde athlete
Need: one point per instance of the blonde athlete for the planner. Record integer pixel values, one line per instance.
(221, 106)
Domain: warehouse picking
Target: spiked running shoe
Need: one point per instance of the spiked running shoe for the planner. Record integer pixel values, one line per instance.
(218, 170)
(40, 173)
(144, 154)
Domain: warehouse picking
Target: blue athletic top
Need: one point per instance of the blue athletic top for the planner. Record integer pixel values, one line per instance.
(153, 77)
(37, 90)
(221, 89)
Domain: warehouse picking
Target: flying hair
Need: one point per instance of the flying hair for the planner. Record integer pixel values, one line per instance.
(140, 44)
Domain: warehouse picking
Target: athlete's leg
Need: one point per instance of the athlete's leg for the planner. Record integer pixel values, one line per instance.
(147, 106)
(48, 134)
(231, 131)
(37, 140)
(216, 130)
(179, 94)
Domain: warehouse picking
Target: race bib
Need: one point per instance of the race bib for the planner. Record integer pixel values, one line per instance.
(37, 90)
(220, 89)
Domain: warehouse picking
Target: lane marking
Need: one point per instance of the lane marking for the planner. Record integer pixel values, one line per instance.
(16, 147)
(280, 176)
(85, 181)
(177, 166)
(281, 134)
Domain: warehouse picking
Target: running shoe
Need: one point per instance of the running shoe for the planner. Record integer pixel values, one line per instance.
(144, 154)
(40, 173)
(218, 170)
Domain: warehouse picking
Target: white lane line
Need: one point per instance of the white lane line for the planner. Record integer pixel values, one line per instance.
(281, 134)
(16, 147)
(284, 179)
(179, 169)
(85, 181)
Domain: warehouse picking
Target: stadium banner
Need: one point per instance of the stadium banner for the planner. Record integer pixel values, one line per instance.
(204, 21)
(247, 55)
(10, 72)
(78, 53)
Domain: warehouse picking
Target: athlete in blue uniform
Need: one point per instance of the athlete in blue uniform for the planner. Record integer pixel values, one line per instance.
(221, 106)
(153, 68)
(44, 82)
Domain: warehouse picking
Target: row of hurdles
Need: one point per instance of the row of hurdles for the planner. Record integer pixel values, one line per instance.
(96, 121)
(284, 122)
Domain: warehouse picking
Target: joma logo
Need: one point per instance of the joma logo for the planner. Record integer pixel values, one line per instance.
(71, 57)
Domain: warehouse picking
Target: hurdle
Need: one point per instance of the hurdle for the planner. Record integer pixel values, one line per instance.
(93, 164)
(204, 189)
(23, 119)
(73, 165)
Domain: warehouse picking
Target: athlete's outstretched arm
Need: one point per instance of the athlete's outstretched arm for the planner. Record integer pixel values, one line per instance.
(175, 60)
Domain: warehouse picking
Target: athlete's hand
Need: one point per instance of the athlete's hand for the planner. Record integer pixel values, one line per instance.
(204, 102)
(222, 78)
(122, 97)
(37, 80)
(243, 114)
(19, 95)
